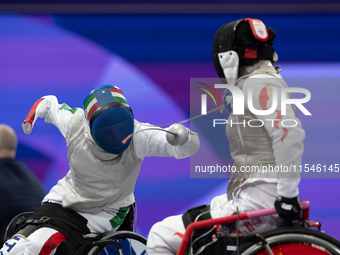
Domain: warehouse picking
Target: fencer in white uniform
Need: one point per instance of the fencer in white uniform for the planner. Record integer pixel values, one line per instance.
(106, 147)
(243, 55)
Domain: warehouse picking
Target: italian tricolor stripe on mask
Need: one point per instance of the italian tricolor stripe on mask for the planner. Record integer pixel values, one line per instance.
(100, 97)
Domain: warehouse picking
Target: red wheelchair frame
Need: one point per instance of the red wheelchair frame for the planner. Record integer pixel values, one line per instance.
(265, 212)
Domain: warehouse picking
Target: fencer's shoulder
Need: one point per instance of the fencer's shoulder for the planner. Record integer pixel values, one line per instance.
(78, 119)
(142, 125)
(138, 125)
(260, 80)
(145, 131)
(77, 125)
(79, 111)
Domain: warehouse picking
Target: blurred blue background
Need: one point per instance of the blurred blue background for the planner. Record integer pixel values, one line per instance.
(151, 51)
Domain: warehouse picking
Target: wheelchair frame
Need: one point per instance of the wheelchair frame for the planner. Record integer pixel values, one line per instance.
(264, 242)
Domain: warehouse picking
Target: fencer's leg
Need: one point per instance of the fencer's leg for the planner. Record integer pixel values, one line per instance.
(16, 246)
(43, 241)
(251, 197)
(165, 237)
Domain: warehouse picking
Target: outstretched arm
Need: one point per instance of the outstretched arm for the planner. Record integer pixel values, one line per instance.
(150, 141)
(48, 107)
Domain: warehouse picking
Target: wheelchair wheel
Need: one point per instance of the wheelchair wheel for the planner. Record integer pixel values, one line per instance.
(120, 243)
(292, 241)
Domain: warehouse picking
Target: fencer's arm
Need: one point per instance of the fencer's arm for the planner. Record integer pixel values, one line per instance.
(152, 142)
(48, 108)
(287, 141)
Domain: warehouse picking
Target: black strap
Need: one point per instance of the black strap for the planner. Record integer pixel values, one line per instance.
(58, 212)
(69, 223)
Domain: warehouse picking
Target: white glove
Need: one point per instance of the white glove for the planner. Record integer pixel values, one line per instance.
(28, 124)
(179, 135)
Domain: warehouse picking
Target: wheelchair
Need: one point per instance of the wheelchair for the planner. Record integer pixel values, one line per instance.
(281, 241)
(120, 242)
